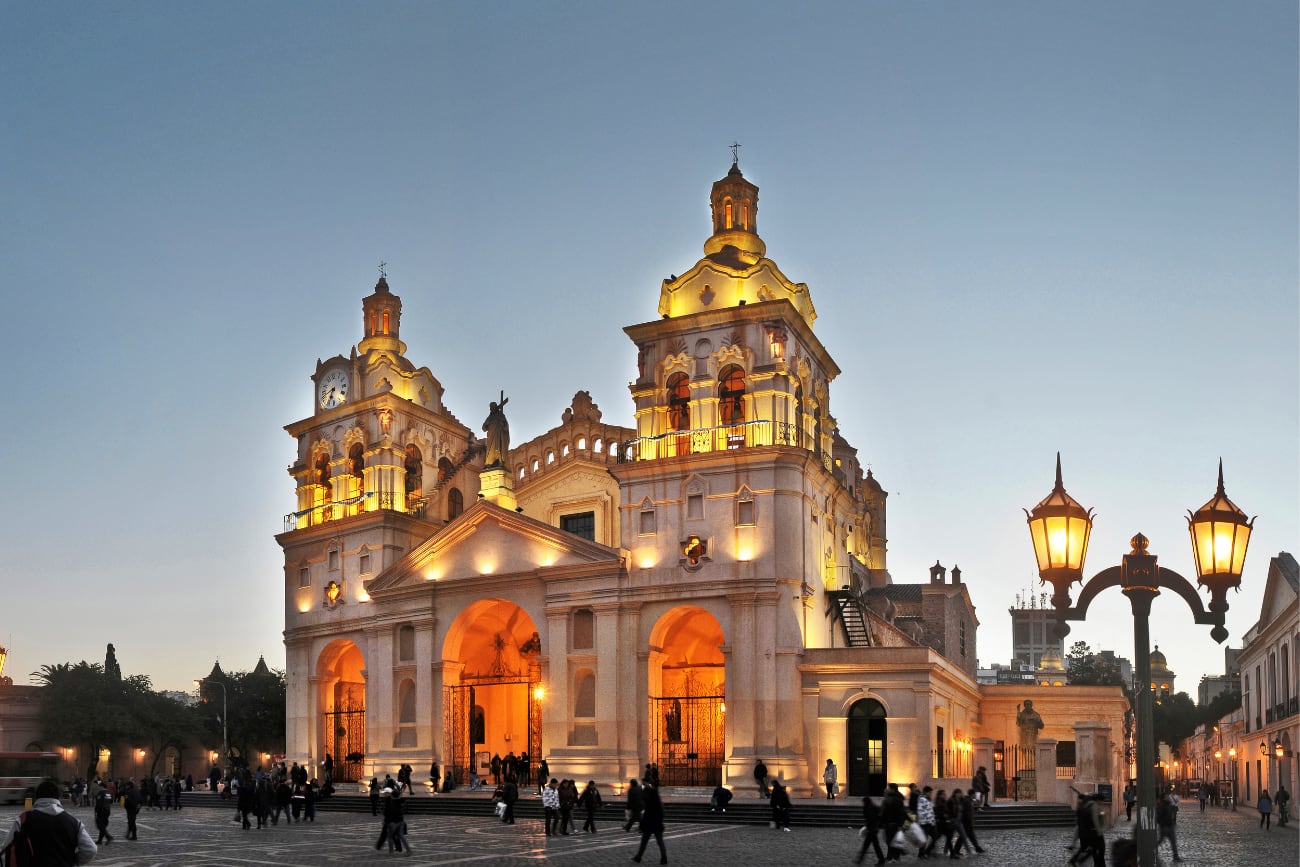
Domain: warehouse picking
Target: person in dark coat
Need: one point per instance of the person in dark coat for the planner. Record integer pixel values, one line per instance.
(760, 777)
(510, 795)
(264, 798)
(721, 798)
(395, 823)
(968, 822)
(103, 809)
(589, 800)
(871, 831)
(635, 803)
(893, 814)
(131, 802)
(780, 806)
(496, 769)
(374, 796)
(283, 797)
(247, 800)
(652, 823)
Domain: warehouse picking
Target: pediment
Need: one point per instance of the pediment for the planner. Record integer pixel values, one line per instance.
(1280, 588)
(488, 540)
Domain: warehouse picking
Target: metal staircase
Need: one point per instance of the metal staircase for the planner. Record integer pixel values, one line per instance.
(845, 607)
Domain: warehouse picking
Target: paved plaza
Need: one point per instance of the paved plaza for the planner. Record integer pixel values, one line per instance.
(208, 836)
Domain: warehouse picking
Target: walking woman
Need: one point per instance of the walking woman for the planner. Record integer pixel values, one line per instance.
(1265, 807)
(652, 823)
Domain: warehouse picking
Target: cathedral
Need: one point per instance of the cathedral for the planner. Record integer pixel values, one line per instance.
(702, 588)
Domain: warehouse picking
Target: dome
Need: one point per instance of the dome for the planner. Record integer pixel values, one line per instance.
(1051, 661)
(1158, 661)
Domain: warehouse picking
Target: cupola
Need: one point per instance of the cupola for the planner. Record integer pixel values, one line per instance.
(735, 240)
(381, 318)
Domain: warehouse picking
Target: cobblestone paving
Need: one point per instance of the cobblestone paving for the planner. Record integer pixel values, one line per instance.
(209, 837)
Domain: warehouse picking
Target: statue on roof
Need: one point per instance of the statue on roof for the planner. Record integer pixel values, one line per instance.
(497, 441)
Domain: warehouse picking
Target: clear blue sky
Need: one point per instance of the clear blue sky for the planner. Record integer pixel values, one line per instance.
(1026, 227)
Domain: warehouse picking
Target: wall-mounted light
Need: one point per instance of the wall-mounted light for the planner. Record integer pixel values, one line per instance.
(1278, 749)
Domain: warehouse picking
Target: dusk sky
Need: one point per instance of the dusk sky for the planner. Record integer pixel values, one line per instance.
(1026, 227)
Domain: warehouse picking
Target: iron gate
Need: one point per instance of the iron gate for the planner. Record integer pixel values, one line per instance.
(687, 739)
(346, 737)
(458, 719)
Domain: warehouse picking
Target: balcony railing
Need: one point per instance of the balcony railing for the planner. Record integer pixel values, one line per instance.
(711, 439)
(369, 502)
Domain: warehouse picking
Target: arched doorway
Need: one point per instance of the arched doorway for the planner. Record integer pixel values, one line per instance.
(687, 690)
(868, 745)
(493, 705)
(342, 697)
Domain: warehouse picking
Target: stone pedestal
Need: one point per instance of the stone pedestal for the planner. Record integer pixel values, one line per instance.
(496, 485)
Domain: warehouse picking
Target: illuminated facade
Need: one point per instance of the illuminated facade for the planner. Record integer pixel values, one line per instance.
(701, 589)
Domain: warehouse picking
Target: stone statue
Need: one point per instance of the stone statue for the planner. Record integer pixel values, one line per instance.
(1029, 722)
(498, 434)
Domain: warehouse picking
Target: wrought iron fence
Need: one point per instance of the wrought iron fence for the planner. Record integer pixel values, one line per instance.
(710, 439)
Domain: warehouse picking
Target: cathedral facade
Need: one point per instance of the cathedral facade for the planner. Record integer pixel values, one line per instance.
(702, 588)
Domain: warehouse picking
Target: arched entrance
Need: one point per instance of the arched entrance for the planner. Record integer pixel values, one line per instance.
(342, 698)
(687, 690)
(868, 747)
(492, 695)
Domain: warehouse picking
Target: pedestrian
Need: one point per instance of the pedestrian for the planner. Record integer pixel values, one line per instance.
(374, 796)
(568, 800)
(721, 798)
(214, 778)
(1265, 807)
(551, 806)
(131, 803)
(589, 800)
(543, 774)
(1281, 800)
(925, 818)
(780, 806)
(264, 797)
(830, 776)
(1130, 798)
(1092, 842)
(395, 823)
(942, 827)
(1167, 823)
(1203, 795)
(968, 821)
(980, 782)
(760, 777)
(870, 831)
(385, 831)
(496, 769)
(652, 823)
(435, 777)
(48, 833)
(284, 797)
(632, 812)
(247, 801)
(893, 813)
(509, 796)
(102, 798)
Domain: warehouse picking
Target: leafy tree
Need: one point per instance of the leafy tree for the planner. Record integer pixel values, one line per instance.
(1086, 668)
(83, 705)
(1174, 718)
(164, 722)
(255, 706)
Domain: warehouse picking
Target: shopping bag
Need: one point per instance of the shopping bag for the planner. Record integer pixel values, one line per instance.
(501, 809)
(899, 841)
(917, 834)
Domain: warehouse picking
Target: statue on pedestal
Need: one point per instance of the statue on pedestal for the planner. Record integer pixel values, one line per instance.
(1030, 723)
(497, 442)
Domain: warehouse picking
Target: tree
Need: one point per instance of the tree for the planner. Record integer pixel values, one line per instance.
(255, 707)
(83, 705)
(1174, 718)
(1086, 668)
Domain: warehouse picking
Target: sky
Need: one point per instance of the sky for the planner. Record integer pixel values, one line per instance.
(1027, 228)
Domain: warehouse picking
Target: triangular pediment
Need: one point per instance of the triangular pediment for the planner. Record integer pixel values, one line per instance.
(1280, 588)
(489, 540)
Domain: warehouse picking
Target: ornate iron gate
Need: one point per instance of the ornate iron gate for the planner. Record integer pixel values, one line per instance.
(687, 739)
(346, 737)
(458, 718)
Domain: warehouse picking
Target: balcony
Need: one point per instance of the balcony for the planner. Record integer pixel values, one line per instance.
(368, 502)
(698, 441)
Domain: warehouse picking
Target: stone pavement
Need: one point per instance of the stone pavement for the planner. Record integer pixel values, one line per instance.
(209, 837)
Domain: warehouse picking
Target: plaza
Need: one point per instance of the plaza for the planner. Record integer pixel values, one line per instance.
(207, 835)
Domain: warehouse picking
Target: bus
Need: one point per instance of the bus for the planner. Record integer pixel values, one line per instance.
(21, 773)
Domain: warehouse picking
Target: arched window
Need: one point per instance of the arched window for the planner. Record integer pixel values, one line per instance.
(679, 402)
(445, 470)
(357, 460)
(731, 396)
(550, 457)
(582, 442)
(1286, 673)
(323, 469)
(414, 468)
(584, 693)
(564, 450)
(386, 314)
(455, 503)
(599, 446)
(726, 211)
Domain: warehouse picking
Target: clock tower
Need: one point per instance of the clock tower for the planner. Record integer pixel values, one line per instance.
(381, 466)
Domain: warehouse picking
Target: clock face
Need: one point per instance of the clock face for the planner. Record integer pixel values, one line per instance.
(333, 389)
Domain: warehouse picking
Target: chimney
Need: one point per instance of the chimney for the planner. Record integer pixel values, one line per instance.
(956, 574)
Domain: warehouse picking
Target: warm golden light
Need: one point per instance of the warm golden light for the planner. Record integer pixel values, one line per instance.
(646, 558)
(1279, 750)
(1218, 754)
(1059, 527)
(1220, 535)
(539, 693)
(1232, 753)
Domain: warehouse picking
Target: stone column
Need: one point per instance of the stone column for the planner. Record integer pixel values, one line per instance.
(1045, 771)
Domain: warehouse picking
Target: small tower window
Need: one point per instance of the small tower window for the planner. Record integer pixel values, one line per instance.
(386, 319)
(744, 216)
(323, 469)
(445, 470)
(414, 468)
(679, 402)
(455, 503)
(726, 214)
(731, 394)
(357, 460)
(599, 446)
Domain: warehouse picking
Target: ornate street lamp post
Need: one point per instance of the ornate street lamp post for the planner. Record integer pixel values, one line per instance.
(1060, 526)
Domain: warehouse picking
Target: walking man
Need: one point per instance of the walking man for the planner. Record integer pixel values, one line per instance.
(1282, 799)
(635, 802)
(870, 831)
(1167, 823)
(103, 808)
(652, 823)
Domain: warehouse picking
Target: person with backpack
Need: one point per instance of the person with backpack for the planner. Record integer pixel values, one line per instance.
(103, 809)
(589, 800)
(47, 834)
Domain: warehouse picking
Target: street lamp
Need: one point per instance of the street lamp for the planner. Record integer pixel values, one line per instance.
(1060, 526)
(1232, 755)
(225, 752)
